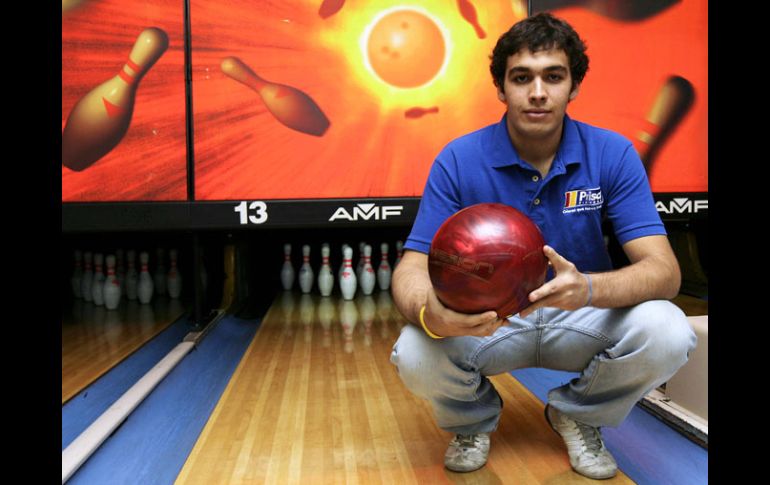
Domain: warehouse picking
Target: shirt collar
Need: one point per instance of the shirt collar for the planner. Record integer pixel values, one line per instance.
(504, 154)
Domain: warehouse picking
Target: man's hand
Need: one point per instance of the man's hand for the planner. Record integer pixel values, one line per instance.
(445, 322)
(568, 289)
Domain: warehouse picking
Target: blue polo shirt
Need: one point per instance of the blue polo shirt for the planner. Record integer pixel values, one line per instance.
(596, 174)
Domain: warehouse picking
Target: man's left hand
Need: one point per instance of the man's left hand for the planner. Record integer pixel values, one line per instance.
(568, 289)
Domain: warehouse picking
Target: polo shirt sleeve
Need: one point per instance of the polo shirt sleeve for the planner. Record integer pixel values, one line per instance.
(440, 199)
(630, 205)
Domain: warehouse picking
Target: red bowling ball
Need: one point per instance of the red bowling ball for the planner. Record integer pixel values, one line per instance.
(487, 257)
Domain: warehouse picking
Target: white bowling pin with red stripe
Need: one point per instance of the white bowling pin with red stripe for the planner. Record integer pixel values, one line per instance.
(111, 287)
(306, 275)
(348, 281)
(325, 276)
(145, 288)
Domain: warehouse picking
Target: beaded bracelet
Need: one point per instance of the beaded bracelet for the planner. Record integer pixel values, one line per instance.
(422, 321)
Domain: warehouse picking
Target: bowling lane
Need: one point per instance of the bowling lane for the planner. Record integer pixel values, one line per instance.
(316, 400)
(94, 339)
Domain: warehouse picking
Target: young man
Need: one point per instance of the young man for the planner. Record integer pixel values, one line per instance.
(613, 326)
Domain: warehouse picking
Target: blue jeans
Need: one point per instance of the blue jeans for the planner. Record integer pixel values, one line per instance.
(622, 354)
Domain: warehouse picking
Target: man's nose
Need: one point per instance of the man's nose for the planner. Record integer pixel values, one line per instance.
(538, 94)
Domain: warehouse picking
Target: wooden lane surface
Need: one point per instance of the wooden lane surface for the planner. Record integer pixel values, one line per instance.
(95, 339)
(315, 399)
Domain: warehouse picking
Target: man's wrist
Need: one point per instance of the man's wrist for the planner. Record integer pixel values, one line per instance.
(590, 290)
(425, 327)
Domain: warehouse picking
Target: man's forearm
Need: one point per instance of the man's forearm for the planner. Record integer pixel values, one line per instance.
(410, 289)
(649, 279)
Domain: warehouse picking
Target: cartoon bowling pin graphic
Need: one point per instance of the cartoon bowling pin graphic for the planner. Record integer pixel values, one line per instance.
(292, 107)
(468, 11)
(100, 120)
(672, 103)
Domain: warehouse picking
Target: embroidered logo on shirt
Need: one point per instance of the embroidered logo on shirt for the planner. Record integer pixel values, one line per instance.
(583, 200)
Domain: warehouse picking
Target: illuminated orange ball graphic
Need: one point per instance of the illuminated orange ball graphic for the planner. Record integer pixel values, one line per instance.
(406, 48)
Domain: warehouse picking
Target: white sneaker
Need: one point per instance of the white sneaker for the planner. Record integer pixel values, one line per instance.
(467, 452)
(587, 453)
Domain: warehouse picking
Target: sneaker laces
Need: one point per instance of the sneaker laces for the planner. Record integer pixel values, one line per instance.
(591, 439)
(465, 440)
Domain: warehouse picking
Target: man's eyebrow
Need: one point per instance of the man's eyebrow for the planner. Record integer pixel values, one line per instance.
(518, 69)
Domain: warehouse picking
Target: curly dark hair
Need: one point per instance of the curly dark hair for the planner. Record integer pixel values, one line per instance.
(539, 32)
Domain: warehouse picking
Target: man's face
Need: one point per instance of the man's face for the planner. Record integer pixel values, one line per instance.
(537, 90)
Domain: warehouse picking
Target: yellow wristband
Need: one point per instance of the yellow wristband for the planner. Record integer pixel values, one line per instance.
(422, 321)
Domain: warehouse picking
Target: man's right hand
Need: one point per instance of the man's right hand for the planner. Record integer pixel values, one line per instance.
(445, 322)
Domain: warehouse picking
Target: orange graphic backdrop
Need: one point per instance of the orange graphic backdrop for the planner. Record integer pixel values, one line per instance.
(149, 162)
(372, 147)
(631, 61)
(359, 104)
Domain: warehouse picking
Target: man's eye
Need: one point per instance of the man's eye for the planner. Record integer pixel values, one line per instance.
(520, 79)
(555, 77)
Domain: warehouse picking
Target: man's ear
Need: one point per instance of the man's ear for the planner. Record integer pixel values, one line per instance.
(500, 94)
(574, 92)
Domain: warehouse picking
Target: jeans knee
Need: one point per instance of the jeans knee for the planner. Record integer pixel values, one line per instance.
(411, 356)
(426, 369)
(661, 330)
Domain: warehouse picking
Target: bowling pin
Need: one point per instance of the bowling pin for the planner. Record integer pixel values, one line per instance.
(173, 278)
(672, 103)
(368, 278)
(626, 10)
(330, 7)
(111, 287)
(399, 252)
(290, 106)
(100, 119)
(77, 275)
(384, 271)
(97, 287)
(305, 271)
(348, 281)
(468, 11)
(159, 277)
(325, 276)
(145, 287)
(88, 277)
(132, 277)
(342, 266)
(287, 270)
(419, 112)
